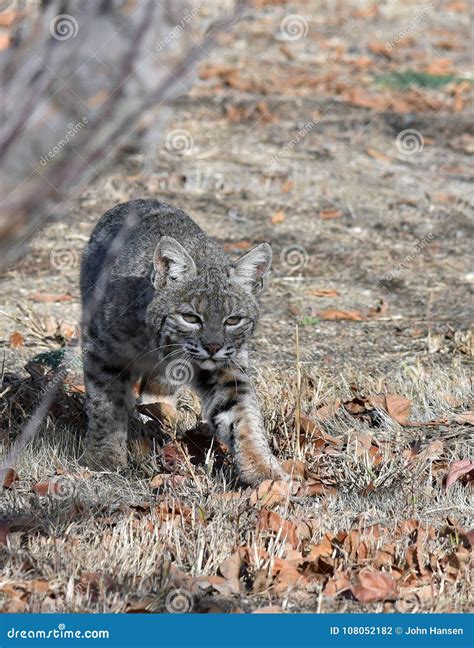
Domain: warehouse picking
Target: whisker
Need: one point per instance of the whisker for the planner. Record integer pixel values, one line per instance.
(170, 355)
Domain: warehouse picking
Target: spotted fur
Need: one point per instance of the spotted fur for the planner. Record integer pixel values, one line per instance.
(164, 304)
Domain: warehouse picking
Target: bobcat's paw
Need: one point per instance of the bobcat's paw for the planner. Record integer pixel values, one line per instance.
(105, 457)
(253, 475)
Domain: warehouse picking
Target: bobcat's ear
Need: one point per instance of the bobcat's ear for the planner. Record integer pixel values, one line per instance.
(171, 262)
(253, 266)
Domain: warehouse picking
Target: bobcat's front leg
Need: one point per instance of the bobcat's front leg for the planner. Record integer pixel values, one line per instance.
(108, 402)
(230, 405)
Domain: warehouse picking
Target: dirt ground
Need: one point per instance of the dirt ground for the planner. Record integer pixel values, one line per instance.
(341, 133)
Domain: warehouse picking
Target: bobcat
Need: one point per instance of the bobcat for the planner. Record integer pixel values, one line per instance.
(163, 304)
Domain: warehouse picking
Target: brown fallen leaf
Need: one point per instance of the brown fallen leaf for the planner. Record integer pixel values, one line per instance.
(176, 512)
(173, 456)
(370, 586)
(158, 481)
(465, 418)
(43, 488)
(327, 412)
(359, 97)
(270, 492)
(398, 408)
(38, 585)
(287, 576)
(335, 314)
(433, 450)
(92, 582)
(378, 155)
(313, 435)
(337, 584)
(460, 470)
(328, 214)
(9, 477)
(384, 557)
(440, 67)
(324, 292)
(293, 530)
(230, 568)
(17, 600)
(55, 486)
(314, 487)
(16, 340)
(224, 586)
(406, 527)
(356, 406)
(364, 444)
(235, 114)
(67, 330)
(323, 548)
(4, 533)
(50, 297)
(278, 217)
(295, 468)
(141, 606)
(380, 49)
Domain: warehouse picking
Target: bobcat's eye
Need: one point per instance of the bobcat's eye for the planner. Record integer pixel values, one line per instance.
(191, 318)
(233, 321)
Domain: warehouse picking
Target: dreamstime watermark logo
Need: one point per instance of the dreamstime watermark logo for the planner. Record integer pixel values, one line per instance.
(63, 27)
(407, 260)
(63, 257)
(179, 142)
(73, 130)
(179, 601)
(62, 487)
(293, 27)
(179, 372)
(188, 15)
(57, 633)
(410, 27)
(294, 257)
(409, 141)
(302, 132)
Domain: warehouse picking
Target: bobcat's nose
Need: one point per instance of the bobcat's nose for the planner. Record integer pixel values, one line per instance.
(212, 349)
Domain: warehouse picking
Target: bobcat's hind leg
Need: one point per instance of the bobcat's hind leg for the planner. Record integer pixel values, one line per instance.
(161, 396)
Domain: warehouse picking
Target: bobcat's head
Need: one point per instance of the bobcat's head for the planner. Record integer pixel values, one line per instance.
(208, 313)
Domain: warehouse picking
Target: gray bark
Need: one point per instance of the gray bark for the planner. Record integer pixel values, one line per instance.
(77, 79)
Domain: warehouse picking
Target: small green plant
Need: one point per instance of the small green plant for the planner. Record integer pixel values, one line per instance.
(309, 320)
(403, 80)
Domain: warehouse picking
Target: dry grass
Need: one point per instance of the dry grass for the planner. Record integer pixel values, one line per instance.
(109, 524)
